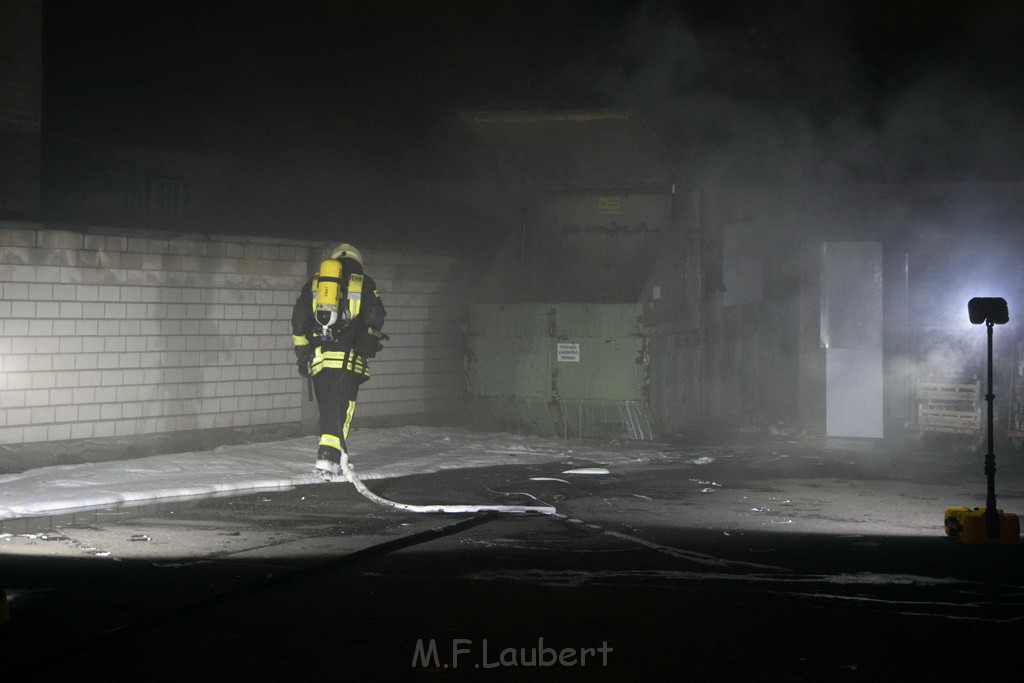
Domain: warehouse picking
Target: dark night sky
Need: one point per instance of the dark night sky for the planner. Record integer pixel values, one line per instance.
(834, 89)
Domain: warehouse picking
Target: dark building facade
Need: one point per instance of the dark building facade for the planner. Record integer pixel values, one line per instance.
(20, 108)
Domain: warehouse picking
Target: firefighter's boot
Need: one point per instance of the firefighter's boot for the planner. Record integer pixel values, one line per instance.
(328, 463)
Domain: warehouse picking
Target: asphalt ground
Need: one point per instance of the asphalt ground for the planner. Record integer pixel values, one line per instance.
(772, 561)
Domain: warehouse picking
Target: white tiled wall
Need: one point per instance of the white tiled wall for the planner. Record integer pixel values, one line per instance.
(123, 336)
(420, 369)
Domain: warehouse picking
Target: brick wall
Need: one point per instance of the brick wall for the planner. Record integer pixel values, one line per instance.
(106, 336)
(20, 107)
(427, 300)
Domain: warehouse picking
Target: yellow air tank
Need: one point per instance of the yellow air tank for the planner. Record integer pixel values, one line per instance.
(328, 293)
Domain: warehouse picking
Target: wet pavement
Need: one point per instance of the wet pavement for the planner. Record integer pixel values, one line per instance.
(764, 558)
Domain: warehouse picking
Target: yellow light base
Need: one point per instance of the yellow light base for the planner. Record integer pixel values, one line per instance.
(970, 526)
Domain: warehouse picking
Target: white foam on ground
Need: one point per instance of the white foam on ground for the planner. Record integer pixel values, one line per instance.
(376, 453)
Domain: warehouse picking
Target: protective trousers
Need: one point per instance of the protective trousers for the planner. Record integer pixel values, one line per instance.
(336, 392)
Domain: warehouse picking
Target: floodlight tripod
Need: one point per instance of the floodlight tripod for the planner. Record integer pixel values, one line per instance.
(991, 514)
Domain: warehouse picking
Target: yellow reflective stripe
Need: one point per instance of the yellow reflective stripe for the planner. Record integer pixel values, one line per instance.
(340, 356)
(331, 440)
(348, 418)
(355, 294)
(358, 368)
(340, 360)
(299, 341)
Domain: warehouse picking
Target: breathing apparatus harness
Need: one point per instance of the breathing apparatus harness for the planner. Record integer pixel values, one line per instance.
(337, 298)
(331, 317)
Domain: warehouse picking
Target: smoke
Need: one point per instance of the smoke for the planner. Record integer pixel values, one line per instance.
(878, 120)
(819, 91)
(947, 272)
(948, 122)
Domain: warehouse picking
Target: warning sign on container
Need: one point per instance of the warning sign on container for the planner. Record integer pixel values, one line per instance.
(568, 353)
(609, 205)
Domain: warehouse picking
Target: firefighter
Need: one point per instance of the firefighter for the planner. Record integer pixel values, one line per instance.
(336, 326)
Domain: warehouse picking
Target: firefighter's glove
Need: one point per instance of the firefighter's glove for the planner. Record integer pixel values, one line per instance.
(303, 357)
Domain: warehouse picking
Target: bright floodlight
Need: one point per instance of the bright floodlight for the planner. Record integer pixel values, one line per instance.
(988, 309)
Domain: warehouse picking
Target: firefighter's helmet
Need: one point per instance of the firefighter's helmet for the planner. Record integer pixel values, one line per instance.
(347, 251)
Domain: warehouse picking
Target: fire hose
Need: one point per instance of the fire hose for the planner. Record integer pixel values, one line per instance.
(350, 475)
